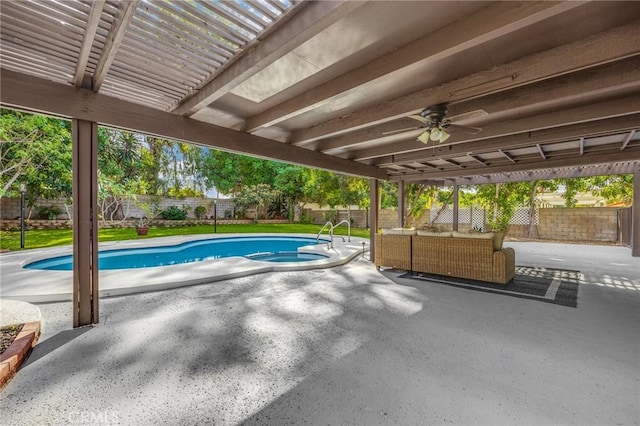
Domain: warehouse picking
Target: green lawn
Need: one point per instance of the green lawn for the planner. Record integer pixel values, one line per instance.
(60, 237)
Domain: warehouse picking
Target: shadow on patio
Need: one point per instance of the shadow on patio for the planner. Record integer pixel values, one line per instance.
(344, 345)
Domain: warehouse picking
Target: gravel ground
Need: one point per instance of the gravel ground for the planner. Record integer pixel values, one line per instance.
(8, 335)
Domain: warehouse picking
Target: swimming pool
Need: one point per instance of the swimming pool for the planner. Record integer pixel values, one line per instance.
(262, 248)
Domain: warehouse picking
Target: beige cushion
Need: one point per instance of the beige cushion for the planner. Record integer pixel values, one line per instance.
(398, 231)
(497, 237)
(428, 228)
(434, 234)
(477, 235)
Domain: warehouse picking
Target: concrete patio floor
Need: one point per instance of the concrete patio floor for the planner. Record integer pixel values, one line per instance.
(347, 345)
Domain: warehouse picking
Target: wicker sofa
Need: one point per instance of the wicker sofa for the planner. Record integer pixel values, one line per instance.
(462, 255)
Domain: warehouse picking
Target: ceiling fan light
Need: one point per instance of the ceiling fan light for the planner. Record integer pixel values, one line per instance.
(444, 135)
(436, 134)
(424, 138)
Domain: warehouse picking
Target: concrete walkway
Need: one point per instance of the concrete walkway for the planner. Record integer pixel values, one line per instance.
(347, 345)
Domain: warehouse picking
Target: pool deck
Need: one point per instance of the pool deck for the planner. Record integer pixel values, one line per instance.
(38, 286)
(348, 345)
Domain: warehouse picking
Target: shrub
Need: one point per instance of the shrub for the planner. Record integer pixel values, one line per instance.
(173, 213)
(240, 212)
(200, 211)
(331, 215)
(50, 212)
(305, 218)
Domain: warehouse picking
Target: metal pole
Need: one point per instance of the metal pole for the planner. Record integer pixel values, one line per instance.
(22, 196)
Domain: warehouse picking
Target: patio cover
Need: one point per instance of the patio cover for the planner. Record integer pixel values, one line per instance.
(553, 86)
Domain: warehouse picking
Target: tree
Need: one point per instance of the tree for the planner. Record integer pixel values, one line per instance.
(388, 194)
(230, 172)
(532, 189)
(34, 150)
(290, 183)
(333, 189)
(153, 159)
(614, 188)
(418, 199)
(120, 157)
(256, 195)
(114, 198)
(184, 171)
(571, 189)
(501, 200)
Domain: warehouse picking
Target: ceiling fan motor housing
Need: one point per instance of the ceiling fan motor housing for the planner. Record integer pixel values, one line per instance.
(436, 116)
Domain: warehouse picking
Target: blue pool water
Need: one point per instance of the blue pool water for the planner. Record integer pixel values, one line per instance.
(270, 249)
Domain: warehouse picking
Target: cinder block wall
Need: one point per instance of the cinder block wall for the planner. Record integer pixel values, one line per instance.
(388, 218)
(10, 208)
(578, 224)
(223, 205)
(571, 224)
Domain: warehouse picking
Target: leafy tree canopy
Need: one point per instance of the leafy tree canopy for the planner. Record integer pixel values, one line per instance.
(34, 150)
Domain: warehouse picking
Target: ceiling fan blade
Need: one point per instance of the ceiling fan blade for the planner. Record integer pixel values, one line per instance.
(469, 115)
(406, 129)
(420, 119)
(464, 129)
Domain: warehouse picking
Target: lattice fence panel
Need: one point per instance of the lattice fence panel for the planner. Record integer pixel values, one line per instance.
(476, 217)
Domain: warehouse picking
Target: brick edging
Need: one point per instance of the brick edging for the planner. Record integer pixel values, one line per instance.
(16, 353)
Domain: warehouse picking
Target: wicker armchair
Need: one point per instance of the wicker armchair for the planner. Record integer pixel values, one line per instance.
(393, 251)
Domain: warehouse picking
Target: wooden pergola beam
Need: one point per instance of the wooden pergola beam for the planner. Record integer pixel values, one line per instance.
(308, 21)
(562, 125)
(478, 160)
(618, 77)
(631, 154)
(627, 139)
(545, 174)
(38, 95)
(87, 41)
(126, 10)
(507, 156)
(483, 26)
(621, 42)
(541, 151)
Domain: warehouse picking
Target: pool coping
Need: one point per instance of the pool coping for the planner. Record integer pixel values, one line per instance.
(38, 286)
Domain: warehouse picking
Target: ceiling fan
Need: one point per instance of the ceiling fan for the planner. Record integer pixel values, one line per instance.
(438, 126)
